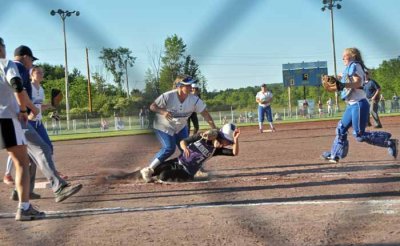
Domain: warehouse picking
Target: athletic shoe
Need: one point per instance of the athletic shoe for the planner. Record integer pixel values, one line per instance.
(261, 130)
(32, 196)
(273, 129)
(66, 191)
(201, 174)
(327, 156)
(147, 174)
(393, 148)
(30, 214)
(8, 179)
(334, 160)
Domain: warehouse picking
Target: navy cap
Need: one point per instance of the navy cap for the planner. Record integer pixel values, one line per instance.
(24, 51)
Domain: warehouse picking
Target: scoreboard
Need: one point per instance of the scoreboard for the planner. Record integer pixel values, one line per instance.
(304, 74)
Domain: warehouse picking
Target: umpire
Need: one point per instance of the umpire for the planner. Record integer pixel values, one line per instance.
(373, 91)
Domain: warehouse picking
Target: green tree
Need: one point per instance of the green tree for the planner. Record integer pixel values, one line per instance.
(116, 62)
(172, 61)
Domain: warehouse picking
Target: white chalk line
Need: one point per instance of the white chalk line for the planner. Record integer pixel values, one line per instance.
(113, 210)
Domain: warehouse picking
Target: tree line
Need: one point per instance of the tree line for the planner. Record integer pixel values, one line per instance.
(115, 97)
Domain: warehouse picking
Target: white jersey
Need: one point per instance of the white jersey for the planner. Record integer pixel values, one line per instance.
(8, 103)
(38, 99)
(180, 111)
(264, 96)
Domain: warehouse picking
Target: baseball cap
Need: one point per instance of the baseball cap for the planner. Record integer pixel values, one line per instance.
(226, 132)
(24, 51)
(263, 85)
(2, 42)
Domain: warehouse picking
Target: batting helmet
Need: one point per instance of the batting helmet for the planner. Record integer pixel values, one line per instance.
(227, 131)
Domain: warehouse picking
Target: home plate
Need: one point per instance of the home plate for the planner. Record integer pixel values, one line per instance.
(42, 185)
(267, 130)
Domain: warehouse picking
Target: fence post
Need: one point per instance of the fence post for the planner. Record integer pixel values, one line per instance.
(74, 125)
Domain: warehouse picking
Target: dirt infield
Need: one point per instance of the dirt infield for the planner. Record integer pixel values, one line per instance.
(276, 192)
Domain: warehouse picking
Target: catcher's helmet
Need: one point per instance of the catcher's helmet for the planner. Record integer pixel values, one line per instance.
(226, 132)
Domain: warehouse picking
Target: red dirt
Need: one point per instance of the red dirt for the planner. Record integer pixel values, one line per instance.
(276, 192)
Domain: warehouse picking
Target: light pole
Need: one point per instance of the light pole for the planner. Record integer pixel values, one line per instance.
(64, 14)
(330, 4)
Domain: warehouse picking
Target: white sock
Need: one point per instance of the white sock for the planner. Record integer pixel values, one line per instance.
(155, 163)
(24, 205)
(271, 125)
(260, 125)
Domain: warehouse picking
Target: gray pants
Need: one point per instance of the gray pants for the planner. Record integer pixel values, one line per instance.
(374, 105)
(41, 155)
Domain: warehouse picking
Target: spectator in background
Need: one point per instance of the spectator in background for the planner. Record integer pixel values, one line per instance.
(373, 89)
(395, 103)
(382, 106)
(55, 118)
(329, 103)
(305, 108)
(142, 117)
(193, 116)
(320, 109)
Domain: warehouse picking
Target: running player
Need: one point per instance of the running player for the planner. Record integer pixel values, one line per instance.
(357, 111)
(172, 109)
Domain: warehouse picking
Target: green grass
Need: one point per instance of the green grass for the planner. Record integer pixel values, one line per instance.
(88, 135)
(83, 134)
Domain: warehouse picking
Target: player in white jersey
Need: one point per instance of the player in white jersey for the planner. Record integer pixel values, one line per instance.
(173, 108)
(264, 99)
(12, 111)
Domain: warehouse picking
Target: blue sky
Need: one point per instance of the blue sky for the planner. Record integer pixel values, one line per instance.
(237, 43)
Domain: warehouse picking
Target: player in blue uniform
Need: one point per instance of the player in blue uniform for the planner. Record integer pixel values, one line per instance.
(357, 111)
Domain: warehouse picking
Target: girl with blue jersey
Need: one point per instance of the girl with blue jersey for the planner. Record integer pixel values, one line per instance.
(357, 111)
(173, 108)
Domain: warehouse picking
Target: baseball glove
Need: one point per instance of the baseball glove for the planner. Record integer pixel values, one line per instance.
(56, 97)
(331, 84)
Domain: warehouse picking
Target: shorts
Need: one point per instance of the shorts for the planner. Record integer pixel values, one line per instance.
(11, 133)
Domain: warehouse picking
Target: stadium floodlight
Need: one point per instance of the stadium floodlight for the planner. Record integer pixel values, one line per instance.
(331, 4)
(64, 14)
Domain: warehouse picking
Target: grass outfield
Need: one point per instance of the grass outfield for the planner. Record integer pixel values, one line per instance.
(114, 133)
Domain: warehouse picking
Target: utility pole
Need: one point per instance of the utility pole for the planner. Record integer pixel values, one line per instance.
(89, 86)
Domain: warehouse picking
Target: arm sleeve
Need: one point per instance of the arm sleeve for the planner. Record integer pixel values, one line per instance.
(161, 101)
(223, 151)
(192, 138)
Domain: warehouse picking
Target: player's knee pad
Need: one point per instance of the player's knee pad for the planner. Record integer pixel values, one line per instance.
(340, 147)
(341, 132)
(375, 138)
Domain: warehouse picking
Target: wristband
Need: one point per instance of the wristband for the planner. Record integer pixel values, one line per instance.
(23, 111)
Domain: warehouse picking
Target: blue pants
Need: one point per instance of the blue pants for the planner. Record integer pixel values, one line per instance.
(169, 143)
(356, 116)
(264, 111)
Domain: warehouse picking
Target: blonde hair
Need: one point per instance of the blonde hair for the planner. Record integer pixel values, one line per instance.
(355, 55)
